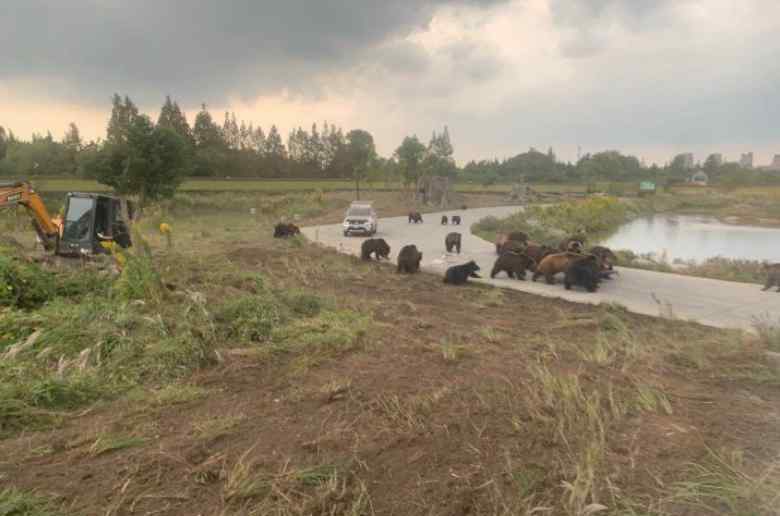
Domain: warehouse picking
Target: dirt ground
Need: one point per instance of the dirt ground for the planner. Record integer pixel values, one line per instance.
(456, 401)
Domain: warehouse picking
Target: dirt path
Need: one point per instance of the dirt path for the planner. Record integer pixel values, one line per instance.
(716, 303)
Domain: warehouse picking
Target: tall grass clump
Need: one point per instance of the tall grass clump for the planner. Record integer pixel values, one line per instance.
(593, 218)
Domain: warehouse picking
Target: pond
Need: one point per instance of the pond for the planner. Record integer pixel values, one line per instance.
(694, 237)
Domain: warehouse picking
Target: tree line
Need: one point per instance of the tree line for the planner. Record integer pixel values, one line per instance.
(142, 155)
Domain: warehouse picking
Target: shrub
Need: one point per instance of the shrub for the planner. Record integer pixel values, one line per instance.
(251, 318)
(139, 280)
(24, 285)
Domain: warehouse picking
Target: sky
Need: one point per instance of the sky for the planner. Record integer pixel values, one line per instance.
(646, 77)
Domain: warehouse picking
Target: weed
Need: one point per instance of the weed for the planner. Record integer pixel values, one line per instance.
(451, 351)
(768, 332)
(217, 426)
(252, 318)
(24, 285)
(178, 393)
(14, 502)
(721, 484)
(106, 443)
(650, 399)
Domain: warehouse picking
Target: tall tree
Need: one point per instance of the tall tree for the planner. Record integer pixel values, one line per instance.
(257, 139)
(72, 138)
(3, 142)
(410, 156)
(172, 117)
(361, 151)
(123, 113)
(148, 164)
(205, 132)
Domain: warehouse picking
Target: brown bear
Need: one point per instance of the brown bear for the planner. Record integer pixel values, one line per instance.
(513, 264)
(575, 244)
(460, 274)
(501, 239)
(513, 246)
(409, 259)
(452, 241)
(414, 216)
(283, 230)
(538, 251)
(376, 246)
(444, 220)
(456, 220)
(553, 264)
(773, 270)
(585, 272)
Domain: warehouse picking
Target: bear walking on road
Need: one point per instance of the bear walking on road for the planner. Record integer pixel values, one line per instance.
(460, 274)
(444, 220)
(456, 220)
(452, 241)
(553, 264)
(409, 259)
(585, 272)
(514, 264)
(376, 246)
(415, 217)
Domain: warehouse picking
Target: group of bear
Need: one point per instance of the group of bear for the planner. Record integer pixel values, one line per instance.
(415, 217)
(516, 255)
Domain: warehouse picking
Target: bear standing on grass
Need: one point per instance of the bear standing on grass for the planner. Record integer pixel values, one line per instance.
(585, 272)
(376, 246)
(409, 259)
(283, 230)
(452, 241)
(460, 274)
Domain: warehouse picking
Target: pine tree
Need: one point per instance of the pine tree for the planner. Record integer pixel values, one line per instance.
(258, 141)
(123, 113)
(205, 132)
(273, 144)
(72, 138)
(3, 143)
(171, 117)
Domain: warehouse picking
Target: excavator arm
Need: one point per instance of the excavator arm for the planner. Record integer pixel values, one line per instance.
(22, 193)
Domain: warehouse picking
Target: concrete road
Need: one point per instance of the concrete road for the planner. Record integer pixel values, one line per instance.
(716, 303)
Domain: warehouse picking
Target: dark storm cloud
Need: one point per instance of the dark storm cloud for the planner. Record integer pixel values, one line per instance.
(196, 49)
(585, 22)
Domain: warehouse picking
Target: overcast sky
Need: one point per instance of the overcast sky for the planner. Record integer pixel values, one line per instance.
(649, 77)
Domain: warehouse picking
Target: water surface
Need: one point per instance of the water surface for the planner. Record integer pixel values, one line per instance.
(694, 237)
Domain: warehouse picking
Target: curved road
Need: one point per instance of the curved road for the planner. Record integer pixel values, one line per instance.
(717, 303)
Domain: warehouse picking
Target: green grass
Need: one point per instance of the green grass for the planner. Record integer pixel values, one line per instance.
(282, 186)
(14, 502)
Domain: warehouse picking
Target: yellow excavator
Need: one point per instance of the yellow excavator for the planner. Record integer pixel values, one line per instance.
(89, 219)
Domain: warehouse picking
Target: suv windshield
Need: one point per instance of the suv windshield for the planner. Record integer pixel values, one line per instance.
(359, 212)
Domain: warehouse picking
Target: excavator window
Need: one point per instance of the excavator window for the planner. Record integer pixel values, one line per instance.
(78, 219)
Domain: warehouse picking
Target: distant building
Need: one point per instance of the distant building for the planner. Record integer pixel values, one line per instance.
(746, 160)
(775, 165)
(699, 179)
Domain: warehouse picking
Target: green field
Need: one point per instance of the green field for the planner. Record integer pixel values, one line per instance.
(273, 186)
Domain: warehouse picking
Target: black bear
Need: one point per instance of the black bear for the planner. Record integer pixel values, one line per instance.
(283, 230)
(409, 259)
(414, 216)
(514, 265)
(452, 241)
(460, 274)
(376, 246)
(585, 272)
(456, 220)
(443, 220)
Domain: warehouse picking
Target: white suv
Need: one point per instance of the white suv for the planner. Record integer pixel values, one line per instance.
(360, 218)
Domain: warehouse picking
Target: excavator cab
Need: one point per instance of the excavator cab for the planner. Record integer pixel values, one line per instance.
(91, 219)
